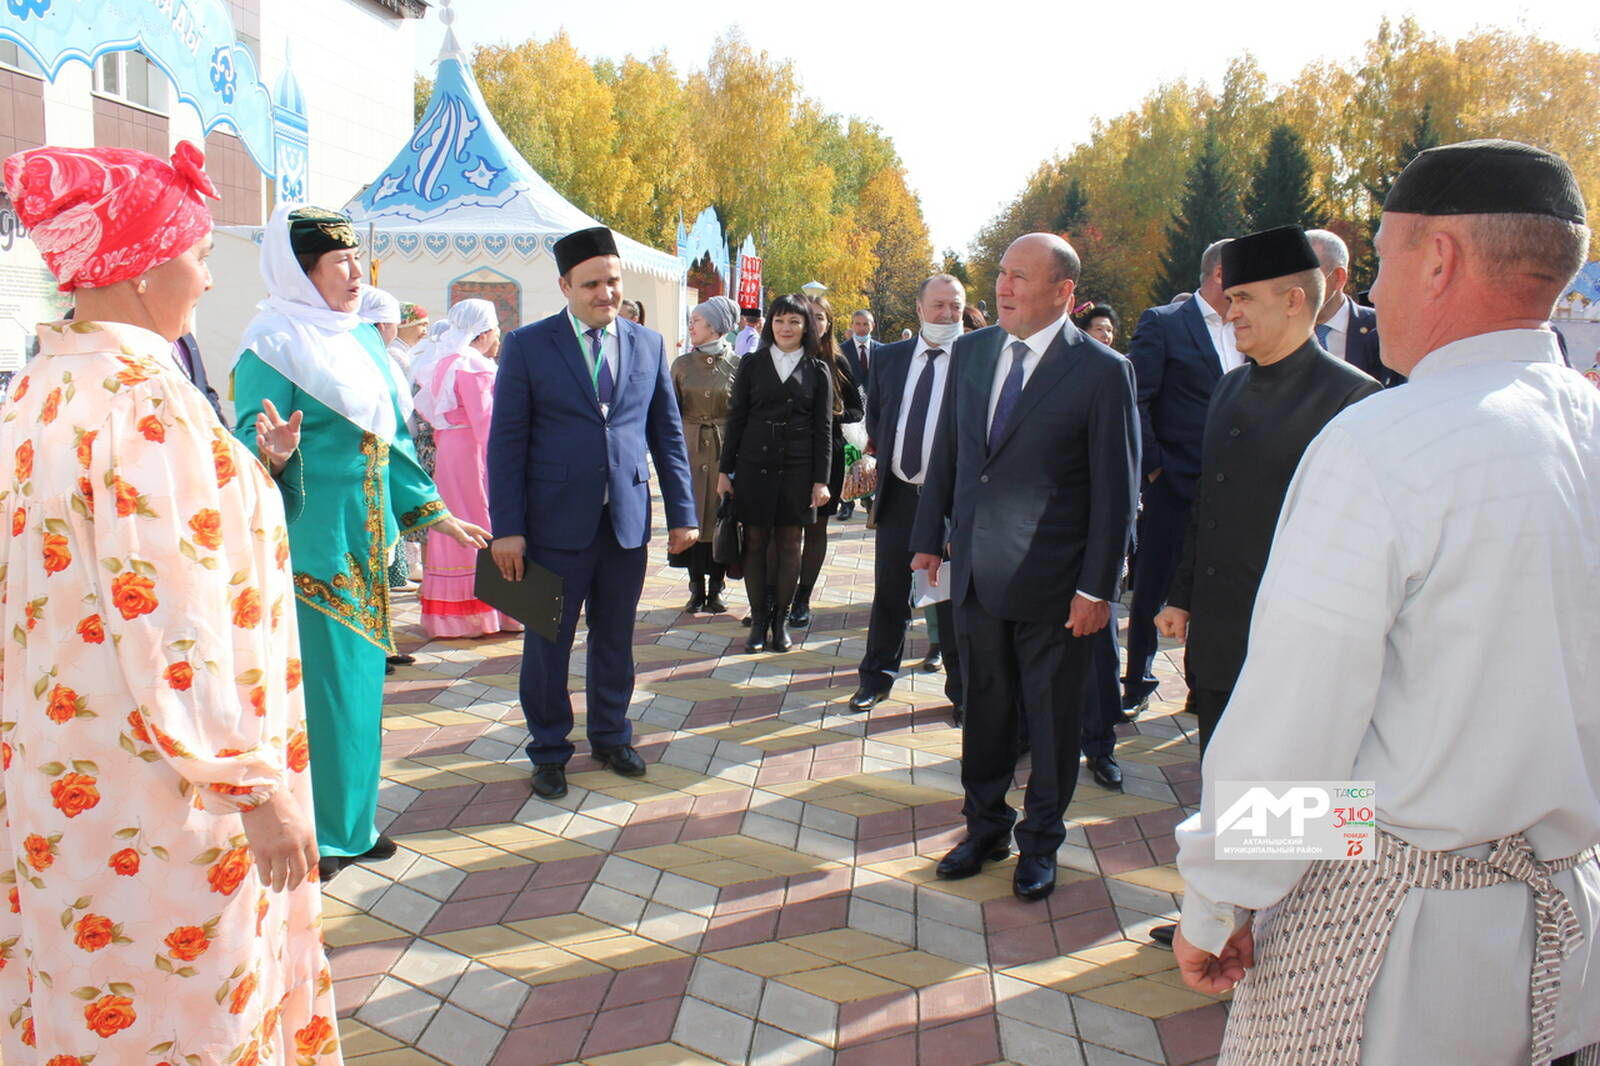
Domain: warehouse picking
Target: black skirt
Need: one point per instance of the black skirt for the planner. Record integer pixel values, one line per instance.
(774, 495)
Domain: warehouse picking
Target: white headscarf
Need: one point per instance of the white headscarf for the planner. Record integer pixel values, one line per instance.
(378, 306)
(467, 320)
(297, 334)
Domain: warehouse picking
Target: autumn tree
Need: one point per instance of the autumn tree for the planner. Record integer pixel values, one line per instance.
(1280, 191)
(902, 252)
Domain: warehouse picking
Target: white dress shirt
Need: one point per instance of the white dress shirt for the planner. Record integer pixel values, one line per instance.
(1389, 645)
(1338, 342)
(608, 351)
(749, 340)
(785, 362)
(1030, 362)
(1221, 335)
(941, 370)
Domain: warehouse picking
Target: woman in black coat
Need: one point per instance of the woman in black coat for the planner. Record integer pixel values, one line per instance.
(848, 406)
(776, 457)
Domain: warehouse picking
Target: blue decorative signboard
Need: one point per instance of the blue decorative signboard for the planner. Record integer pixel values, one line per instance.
(191, 41)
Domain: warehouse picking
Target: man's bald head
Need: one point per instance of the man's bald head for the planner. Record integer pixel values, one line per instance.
(1035, 283)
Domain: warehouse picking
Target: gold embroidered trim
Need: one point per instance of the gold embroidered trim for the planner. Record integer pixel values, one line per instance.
(358, 596)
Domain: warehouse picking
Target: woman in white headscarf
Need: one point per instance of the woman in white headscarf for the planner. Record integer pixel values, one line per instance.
(457, 398)
(312, 369)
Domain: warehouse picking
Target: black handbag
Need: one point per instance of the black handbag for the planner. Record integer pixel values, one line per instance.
(727, 545)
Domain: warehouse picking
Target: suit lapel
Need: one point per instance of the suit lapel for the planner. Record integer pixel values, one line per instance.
(977, 368)
(567, 346)
(1053, 366)
(625, 357)
(1195, 319)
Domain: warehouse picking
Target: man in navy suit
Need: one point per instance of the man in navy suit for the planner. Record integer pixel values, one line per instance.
(902, 417)
(1035, 468)
(860, 347)
(1345, 328)
(1179, 352)
(580, 398)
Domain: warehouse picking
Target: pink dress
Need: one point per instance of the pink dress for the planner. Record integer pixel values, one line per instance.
(461, 440)
(150, 692)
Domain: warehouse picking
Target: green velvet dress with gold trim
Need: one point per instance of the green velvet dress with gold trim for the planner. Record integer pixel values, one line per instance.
(349, 495)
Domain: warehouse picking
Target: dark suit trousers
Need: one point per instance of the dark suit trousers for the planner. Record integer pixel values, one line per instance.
(1162, 526)
(604, 580)
(896, 510)
(1208, 705)
(950, 645)
(1017, 673)
(1102, 709)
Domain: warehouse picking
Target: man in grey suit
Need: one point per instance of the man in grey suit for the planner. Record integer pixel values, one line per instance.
(1035, 466)
(860, 347)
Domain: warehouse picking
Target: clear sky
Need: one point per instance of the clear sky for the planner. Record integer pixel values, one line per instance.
(976, 95)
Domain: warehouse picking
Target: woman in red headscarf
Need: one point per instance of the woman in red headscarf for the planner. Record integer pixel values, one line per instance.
(158, 837)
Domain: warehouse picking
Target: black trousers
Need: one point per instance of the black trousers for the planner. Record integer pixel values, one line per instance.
(1207, 704)
(1102, 709)
(896, 511)
(1162, 525)
(1020, 673)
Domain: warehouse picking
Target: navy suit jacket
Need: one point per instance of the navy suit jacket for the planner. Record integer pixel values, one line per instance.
(553, 456)
(863, 372)
(1177, 367)
(890, 364)
(1361, 348)
(197, 372)
(1050, 511)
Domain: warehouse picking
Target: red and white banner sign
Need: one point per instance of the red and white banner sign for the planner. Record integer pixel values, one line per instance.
(749, 281)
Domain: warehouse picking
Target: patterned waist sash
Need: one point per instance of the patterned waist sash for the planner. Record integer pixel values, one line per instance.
(1319, 949)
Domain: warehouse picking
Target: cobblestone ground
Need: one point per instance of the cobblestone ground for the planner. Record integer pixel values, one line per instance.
(766, 894)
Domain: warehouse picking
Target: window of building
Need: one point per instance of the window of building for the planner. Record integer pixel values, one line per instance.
(15, 58)
(131, 78)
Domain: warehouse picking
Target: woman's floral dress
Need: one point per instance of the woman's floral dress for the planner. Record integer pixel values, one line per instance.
(149, 691)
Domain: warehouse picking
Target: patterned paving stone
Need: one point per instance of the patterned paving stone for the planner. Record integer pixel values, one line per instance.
(766, 894)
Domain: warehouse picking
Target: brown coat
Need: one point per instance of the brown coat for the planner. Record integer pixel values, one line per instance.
(704, 384)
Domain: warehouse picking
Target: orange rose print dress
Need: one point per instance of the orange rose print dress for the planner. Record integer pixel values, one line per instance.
(149, 691)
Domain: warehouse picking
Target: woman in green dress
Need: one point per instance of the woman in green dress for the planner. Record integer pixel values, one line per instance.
(315, 395)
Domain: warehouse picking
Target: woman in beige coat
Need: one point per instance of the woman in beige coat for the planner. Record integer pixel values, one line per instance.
(703, 378)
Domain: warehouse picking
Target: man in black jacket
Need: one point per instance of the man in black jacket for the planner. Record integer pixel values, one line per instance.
(1034, 469)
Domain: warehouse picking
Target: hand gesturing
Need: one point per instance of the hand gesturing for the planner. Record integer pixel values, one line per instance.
(276, 439)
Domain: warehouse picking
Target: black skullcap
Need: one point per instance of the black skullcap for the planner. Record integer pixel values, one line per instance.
(582, 246)
(1271, 253)
(314, 230)
(1488, 177)
(751, 313)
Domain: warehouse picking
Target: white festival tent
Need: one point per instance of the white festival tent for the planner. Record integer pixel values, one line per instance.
(458, 213)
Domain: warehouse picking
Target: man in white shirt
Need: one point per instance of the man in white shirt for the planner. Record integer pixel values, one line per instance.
(749, 338)
(902, 413)
(1434, 571)
(860, 346)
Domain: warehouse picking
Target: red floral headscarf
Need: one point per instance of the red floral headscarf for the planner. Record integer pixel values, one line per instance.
(104, 215)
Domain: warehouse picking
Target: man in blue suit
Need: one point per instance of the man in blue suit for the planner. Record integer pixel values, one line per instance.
(860, 347)
(580, 398)
(1179, 352)
(1346, 329)
(1035, 467)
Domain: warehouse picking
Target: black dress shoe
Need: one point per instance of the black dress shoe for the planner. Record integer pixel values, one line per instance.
(967, 858)
(402, 660)
(550, 780)
(934, 662)
(1107, 774)
(385, 848)
(328, 867)
(865, 699)
(959, 713)
(1163, 934)
(846, 509)
(622, 759)
(1133, 707)
(1035, 877)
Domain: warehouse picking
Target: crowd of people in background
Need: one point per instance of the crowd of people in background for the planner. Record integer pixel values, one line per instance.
(1369, 557)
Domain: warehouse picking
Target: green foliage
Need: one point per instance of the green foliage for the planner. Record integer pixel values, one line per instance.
(1280, 191)
(1208, 212)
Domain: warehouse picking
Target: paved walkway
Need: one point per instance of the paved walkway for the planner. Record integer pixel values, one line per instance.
(766, 894)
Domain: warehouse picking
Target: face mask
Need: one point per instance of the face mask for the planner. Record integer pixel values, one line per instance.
(941, 335)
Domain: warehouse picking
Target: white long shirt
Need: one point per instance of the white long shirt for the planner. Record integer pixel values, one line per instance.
(1429, 620)
(941, 369)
